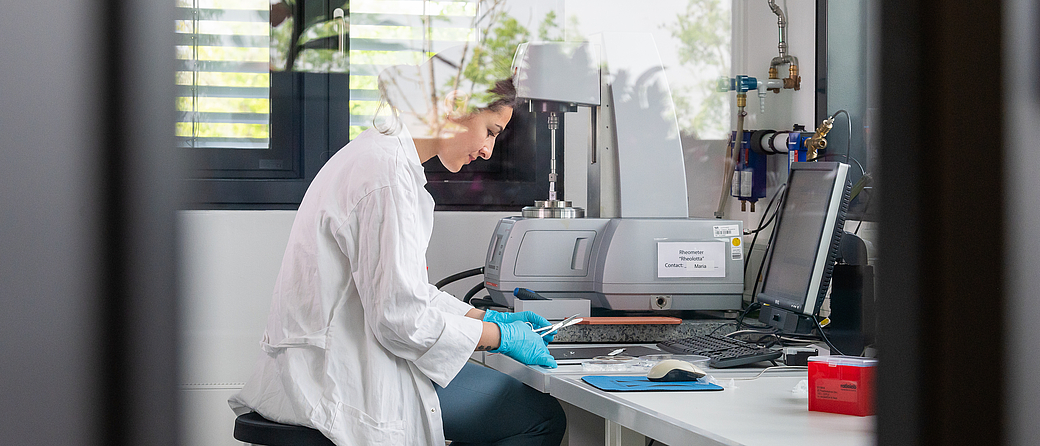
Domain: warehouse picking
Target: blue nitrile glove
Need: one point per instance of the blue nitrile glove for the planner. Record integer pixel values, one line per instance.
(519, 342)
(534, 319)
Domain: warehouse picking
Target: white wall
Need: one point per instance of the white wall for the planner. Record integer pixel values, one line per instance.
(755, 45)
(229, 263)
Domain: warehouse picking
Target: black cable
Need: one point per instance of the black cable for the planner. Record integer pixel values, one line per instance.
(822, 334)
(866, 206)
(779, 334)
(751, 248)
(740, 319)
(485, 302)
(472, 291)
(797, 338)
(862, 171)
(717, 329)
(458, 276)
(860, 185)
(827, 340)
(848, 142)
(758, 277)
(760, 228)
(761, 225)
(771, 333)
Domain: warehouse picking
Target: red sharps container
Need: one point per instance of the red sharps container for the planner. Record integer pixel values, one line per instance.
(842, 384)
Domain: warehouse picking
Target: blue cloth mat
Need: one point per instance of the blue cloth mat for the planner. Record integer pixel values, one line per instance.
(625, 383)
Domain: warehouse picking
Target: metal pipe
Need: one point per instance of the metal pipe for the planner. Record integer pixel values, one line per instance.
(781, 22)
(732, 160)
(554, 124)
(788, 59)
(793, 80)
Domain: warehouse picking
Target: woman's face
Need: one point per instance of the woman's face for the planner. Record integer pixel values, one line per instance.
(476, 138)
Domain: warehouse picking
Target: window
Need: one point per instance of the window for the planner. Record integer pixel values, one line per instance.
(223, 77)
(257, 132)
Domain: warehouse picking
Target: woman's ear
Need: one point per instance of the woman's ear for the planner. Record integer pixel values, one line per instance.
(456, 103)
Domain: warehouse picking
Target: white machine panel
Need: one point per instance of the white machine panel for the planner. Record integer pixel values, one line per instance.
(651, 171)
(557, 71)
(532, 260)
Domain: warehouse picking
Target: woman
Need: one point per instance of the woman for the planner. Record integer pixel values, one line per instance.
(358, 344)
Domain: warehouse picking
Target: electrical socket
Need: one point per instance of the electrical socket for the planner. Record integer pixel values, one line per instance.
(660, 302)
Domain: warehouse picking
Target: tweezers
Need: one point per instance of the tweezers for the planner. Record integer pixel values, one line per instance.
(554, 327)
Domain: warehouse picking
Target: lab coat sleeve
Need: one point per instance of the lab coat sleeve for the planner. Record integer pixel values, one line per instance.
(402, 313)
(449, 303)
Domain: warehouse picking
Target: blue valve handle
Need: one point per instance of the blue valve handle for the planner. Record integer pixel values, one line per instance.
(740, 84)
(526, 294)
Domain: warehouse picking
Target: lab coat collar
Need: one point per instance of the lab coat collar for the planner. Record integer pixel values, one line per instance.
(412, 152)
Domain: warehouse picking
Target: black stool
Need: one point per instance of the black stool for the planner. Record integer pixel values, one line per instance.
(254, 429)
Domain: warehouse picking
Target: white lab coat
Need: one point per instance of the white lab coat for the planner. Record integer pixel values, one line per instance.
(357, 336)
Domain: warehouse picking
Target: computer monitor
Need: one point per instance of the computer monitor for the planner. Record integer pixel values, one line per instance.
(804, 245)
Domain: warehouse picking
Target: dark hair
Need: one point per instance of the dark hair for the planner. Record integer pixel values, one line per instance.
(503, 94)
(394, 81)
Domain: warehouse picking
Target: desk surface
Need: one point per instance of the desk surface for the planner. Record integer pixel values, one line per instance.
(763, 411)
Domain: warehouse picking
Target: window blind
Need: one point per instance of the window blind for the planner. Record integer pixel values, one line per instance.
(393, 32)
(223, 74)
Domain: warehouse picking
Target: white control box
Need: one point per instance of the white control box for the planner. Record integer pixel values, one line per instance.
(556, 309)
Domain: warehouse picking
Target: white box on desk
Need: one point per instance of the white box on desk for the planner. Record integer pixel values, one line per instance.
(555, 309)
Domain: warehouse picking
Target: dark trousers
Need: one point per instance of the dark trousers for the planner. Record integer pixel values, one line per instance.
(482, 406)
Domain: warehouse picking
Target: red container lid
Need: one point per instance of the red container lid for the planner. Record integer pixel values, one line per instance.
(854, 361)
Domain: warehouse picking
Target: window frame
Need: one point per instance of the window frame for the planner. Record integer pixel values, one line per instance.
(303, 107)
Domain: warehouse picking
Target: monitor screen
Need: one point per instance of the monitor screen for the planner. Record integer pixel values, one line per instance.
(804, 242)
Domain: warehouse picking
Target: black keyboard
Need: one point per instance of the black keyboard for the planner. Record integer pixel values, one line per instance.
(724, 352)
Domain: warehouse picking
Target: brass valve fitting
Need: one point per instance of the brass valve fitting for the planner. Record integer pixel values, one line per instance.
(773, 74)
(794, 81)
(817, 141)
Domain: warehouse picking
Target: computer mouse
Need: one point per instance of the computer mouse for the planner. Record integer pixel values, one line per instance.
(674, 370)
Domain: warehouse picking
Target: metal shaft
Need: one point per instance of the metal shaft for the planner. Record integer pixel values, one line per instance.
(554, 123)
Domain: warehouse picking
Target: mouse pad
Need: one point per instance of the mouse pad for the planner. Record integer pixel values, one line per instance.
(626, 383)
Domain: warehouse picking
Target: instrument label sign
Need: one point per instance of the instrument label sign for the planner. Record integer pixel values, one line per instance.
(691, 259)
(726, 231)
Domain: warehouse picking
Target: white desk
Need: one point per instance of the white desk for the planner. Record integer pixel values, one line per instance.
(763, 411)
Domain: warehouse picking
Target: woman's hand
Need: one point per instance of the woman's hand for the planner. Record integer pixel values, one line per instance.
(519, 342)
(531, 318)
